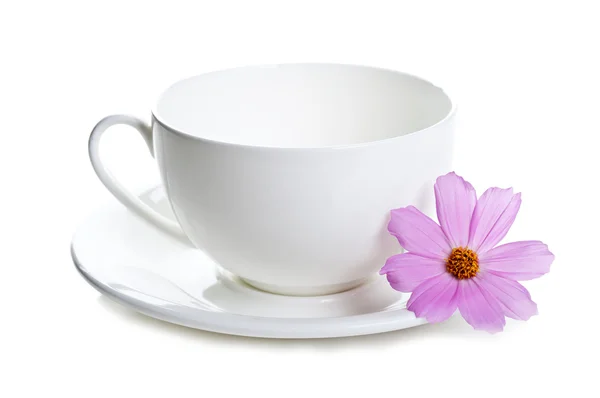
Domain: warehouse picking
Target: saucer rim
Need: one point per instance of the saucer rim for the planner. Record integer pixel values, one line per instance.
(257, 326)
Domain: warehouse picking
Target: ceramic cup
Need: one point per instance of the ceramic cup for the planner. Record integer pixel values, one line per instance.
(286, 174)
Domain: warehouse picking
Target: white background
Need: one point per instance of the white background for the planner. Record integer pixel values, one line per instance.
(525, 76)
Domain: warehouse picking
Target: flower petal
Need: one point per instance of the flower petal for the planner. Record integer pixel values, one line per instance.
(493, 216)
(418, 233)
(455, 201)
(406, 271)
(435, 299)
(514, 299)
(519, 261)
(479, 308)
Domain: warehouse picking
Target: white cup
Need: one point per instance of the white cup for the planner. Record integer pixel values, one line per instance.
(285, 175)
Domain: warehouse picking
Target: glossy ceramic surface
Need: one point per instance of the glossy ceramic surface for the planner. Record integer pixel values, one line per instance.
(286, 174)
(152, 272)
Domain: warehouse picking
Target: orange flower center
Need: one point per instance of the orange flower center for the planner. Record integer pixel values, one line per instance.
(462, 263)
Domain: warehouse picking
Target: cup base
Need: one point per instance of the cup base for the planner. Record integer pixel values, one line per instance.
(305, 290)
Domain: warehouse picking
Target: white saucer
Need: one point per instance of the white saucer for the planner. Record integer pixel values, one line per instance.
(143, 268)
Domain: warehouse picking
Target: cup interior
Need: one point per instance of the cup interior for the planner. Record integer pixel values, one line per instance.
(301, 105)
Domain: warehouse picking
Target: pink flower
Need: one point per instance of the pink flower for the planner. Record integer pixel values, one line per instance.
(456, 265)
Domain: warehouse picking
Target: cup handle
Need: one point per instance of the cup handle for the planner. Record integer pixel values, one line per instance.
(130, 200)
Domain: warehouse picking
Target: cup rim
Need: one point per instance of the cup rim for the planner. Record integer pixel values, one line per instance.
(156, 117)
